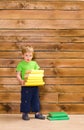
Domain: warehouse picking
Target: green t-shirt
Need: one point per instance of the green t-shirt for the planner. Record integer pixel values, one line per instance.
(24, 66)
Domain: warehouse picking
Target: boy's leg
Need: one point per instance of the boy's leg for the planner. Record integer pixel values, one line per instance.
(25, 102)
(35, 102)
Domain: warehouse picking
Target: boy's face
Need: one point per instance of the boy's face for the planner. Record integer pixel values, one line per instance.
(28, 56)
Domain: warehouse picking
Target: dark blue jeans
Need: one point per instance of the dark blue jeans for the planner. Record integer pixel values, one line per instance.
(29, 99)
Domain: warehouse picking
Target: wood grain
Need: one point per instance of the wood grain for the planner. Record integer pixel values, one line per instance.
(56, 31)
(42, 4)
(41, 24)
(41, 15)
(43, 55)
(48, 81)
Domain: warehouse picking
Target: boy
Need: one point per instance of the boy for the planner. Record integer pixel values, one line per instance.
(29, 95)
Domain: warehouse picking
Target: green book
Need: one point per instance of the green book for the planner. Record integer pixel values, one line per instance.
(57, 114)
(58, 118)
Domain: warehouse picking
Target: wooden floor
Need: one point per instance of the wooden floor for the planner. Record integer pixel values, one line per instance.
(14, 122)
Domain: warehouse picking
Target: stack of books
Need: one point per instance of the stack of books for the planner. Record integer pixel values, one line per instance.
(57, 116)
(34, 78)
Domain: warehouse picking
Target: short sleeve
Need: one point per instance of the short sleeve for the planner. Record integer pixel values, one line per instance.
(19, 68)
(37, 67)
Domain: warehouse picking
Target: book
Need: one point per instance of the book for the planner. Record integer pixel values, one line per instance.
(34, 78)
(58, 118)
(35, 72)
(57, 114)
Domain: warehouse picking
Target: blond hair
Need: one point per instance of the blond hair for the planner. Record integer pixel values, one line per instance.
(27, 48)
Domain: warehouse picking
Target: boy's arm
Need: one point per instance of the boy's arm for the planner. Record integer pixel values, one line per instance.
(19, 78)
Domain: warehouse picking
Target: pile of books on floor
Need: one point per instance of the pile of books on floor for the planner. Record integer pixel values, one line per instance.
(34, 78)
(57, 116)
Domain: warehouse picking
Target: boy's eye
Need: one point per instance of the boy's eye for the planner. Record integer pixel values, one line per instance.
(29, 55)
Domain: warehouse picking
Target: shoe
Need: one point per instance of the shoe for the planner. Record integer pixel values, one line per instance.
(39, 116)
(25, 117)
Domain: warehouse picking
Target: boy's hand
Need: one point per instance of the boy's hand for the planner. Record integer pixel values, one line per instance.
(22, 82)
(28, 72)
(26, 75)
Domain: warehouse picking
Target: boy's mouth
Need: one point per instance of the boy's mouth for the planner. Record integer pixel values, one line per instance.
(28, 60)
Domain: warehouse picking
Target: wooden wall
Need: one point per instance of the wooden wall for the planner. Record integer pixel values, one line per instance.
(55, 28)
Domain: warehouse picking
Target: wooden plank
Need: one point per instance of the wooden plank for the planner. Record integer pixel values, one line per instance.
(12, 72)
(37, 46)
(68, 81)
(15, 97)
(69, 108)
(70, 88)
(7, 71)
(71, 55)
(62, 63)
(46, 88)
(70, 46)
(33, 32)
(40, 40)
(47, 4)
(38, 55)
(48, 81)
(9, 97)
(70, 71)
(46, 55)
(17, 88)
(41, 24)
(69, 63)
(62, 88)
(71, 97)
(14, 108)
(48, 72)
(43, 39)
(13, 62)
(72, 108)
(14, 81)
(42, 55)
(10, 88)
(12, 54)
(70, 32)
(47, 107)
(41, 32)
(40, 14)
(49, 97)
(9, 108)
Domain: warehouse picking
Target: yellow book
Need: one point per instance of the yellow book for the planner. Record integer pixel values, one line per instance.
(34, 84)
(35, 75)
(35, 72)
(34, 78)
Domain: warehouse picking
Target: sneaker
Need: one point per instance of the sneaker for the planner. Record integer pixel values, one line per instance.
(39, 116)
(25, 117)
